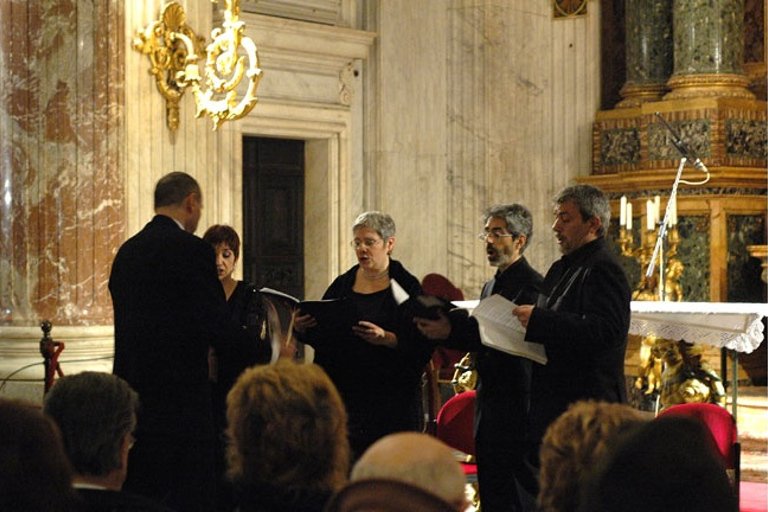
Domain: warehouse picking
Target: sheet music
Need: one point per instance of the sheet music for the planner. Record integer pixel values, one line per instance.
(501, 330)
(398, 292)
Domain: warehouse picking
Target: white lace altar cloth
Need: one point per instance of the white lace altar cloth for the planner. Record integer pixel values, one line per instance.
(734, 325)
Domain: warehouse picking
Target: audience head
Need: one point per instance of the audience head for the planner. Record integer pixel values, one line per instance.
(96, 414)
(386, 495)
(573, 444)
(178, 195)
(417, 459)
(287, 429)
(517, 217)
(35, 475)
(666, 464)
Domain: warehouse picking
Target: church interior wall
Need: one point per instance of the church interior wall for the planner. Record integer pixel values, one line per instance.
(430, 111)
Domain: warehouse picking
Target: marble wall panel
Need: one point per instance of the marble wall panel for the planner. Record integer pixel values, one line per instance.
(61, 102)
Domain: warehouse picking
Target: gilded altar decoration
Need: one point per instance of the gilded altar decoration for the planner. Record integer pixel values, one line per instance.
(570, 8)
(168, 55)
(670, 372)
(465, 375)
(686, 377)
(230, 59)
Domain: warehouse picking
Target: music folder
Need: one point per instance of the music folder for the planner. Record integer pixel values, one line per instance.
(329, 313)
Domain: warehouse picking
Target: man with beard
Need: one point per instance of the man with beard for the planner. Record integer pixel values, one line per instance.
(581, 316)
(506, 482)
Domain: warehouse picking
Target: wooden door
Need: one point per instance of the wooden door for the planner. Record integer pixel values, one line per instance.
(273, 213)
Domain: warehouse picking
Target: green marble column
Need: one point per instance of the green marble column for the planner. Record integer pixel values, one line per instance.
(708, 49)
(648, 51)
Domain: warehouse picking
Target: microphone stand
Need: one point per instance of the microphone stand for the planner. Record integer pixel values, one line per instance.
(661, 238)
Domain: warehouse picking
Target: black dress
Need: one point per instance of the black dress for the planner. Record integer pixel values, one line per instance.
(247, 312)
(380, 386)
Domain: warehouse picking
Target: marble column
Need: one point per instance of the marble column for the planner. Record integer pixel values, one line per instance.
(648, 51)
(709, 50)
(61, 216)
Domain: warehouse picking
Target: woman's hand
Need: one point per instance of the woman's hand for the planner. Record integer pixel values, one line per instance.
(374, 334)
(438, 329)
(303, 322)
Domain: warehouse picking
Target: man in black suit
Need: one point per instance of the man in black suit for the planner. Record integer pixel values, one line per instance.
(96, 415)
(170, 308)
(582, 314)
(507, 483)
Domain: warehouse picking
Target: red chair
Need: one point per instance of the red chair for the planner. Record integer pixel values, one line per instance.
(441, 367)
(455, 427)
(724, 432)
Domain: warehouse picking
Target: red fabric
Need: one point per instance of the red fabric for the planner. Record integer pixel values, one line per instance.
(455, 422)
(753, 497)
(720, 424)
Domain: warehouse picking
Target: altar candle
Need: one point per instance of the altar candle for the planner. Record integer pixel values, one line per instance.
(649, 221)
(673, 213)
(629, 216)
(623, 211)
(656, 209)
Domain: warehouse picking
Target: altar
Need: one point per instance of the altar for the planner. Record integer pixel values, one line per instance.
(735, 326)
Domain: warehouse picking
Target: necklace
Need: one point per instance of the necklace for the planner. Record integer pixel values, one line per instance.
(381, 274)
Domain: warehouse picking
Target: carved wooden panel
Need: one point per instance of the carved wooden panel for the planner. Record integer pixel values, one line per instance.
(273, 213)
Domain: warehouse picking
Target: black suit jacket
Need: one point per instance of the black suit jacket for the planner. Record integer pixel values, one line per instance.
(169, 309)
(582, 317)
(504, 380)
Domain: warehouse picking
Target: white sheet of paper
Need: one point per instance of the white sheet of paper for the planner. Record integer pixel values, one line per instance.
(398, 292)
(501, 330)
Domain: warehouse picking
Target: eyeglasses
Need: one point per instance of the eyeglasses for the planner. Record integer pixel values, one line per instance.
(367, 242)
(495, 236)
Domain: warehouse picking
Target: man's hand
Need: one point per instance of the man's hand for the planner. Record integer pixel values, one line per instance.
(438, 329)
(523, 313)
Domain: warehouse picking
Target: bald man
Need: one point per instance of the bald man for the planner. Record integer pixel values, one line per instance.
(418, 459)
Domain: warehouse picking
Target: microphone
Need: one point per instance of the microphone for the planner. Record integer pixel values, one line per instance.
(682, 147)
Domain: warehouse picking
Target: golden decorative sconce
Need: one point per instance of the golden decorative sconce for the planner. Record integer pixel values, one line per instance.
(174, 49)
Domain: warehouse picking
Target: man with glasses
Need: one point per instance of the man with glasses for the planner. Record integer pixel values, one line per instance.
(506, 482)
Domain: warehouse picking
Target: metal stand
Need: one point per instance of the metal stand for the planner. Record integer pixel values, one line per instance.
(50, 350)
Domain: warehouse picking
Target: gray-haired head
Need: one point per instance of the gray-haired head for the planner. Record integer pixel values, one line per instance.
(592, 202)
(517, 217)
(380, 222)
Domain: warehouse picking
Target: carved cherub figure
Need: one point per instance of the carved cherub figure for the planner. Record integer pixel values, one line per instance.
(686, 378)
